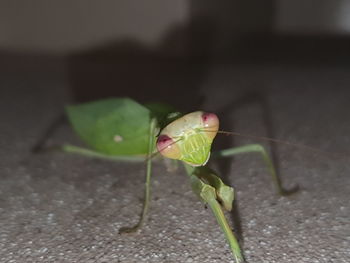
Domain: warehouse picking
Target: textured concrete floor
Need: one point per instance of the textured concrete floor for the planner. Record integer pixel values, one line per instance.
(64, 208)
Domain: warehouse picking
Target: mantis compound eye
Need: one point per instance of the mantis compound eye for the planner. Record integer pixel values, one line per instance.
(210, 123)
(168, 147)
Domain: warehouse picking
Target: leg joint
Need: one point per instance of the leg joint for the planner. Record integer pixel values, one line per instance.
(258, 148)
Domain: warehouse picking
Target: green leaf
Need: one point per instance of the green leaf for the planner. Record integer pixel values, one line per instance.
(116, 126)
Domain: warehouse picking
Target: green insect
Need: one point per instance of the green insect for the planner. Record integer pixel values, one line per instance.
(121, 129)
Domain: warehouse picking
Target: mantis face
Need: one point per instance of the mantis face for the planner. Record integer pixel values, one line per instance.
(189, 138)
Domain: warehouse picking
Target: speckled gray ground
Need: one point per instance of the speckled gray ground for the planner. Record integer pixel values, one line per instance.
(64, 208)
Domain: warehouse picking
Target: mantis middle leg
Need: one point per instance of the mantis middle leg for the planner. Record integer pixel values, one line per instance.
(147, 193)
(259, 149)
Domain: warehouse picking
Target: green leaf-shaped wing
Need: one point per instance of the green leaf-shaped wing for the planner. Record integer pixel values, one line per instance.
(116, 126)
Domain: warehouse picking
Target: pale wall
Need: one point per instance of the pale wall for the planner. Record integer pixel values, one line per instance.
(66, 25)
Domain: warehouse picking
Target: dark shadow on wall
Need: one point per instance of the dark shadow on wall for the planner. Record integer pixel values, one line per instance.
(168, 72)
(234, 20)
(246, 32)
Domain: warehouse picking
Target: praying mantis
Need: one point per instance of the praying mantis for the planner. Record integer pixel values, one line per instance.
(122, 129)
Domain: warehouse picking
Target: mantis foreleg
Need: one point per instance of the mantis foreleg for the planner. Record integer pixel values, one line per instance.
(209, 188)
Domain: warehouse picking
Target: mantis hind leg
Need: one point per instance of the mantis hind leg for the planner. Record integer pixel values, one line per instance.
(261, 150)
(147, 192)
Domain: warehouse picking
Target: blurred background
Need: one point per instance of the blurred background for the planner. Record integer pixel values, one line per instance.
(162, 49)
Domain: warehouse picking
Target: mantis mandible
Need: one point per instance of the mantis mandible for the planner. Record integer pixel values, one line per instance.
(121, 129)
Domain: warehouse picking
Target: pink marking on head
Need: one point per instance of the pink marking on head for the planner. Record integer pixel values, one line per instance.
(163, 142)
(167, 147)
(210, 123)
(210, 120)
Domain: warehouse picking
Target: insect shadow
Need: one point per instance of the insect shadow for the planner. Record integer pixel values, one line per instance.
(171, 72)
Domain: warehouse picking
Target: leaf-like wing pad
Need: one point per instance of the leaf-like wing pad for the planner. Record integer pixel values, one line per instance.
(116, 126)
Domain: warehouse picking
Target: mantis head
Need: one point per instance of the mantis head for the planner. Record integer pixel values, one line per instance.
(189, 138)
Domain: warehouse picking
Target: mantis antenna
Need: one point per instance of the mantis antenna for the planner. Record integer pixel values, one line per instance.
(250, 136)
(309, 148)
